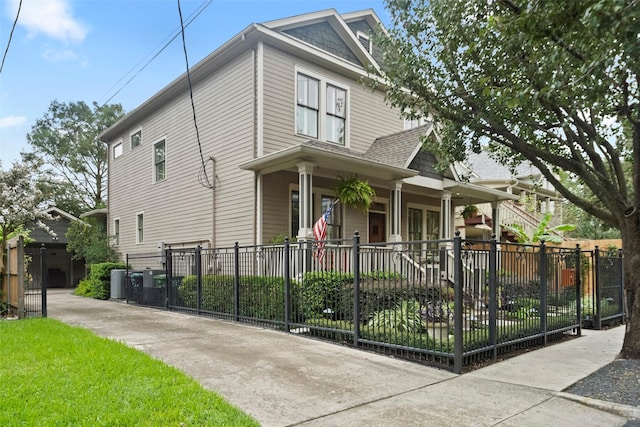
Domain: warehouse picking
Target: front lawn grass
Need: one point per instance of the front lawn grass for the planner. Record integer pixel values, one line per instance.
(57, 375)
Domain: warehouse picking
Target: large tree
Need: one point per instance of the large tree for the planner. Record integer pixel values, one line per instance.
(67, 137)
(551, 82)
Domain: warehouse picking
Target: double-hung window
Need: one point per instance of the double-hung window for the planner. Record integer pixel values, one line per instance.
(336, 114)
(159, 161)
(321, 110)
(307, 120)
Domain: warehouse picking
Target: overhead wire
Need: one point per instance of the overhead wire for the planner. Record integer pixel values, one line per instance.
(166, 44)
(15, 22)
(203, 171)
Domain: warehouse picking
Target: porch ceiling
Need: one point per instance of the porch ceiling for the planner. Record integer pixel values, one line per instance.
(337, 159)
(465, 193)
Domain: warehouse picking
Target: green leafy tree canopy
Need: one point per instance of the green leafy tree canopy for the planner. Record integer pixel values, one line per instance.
(67, 138)
(553, 83)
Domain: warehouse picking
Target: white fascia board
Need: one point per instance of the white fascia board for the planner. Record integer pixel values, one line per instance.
(426, 182)
(299, 20)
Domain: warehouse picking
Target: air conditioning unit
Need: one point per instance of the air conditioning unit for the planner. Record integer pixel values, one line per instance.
(117, 284)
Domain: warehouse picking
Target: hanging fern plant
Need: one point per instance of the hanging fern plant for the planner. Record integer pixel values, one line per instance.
(354, 192)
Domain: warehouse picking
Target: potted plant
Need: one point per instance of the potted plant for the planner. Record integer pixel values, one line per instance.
(469, 211)
(354, 192)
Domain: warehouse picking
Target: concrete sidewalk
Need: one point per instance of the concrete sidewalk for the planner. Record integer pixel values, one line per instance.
(283, 379)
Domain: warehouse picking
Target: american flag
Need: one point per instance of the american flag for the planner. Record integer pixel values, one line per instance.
(320, 231)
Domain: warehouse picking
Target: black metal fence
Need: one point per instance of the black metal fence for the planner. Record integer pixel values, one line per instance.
(449, 303)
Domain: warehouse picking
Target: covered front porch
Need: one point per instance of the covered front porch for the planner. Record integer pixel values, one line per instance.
(294, 187)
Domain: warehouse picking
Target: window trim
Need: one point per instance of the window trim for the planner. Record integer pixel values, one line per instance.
(323, 82)
(139, 230)
(154, 172)
(138, 130)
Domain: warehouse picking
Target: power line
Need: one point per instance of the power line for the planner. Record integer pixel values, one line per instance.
(207, 183)
(167, 41)
(15, 22)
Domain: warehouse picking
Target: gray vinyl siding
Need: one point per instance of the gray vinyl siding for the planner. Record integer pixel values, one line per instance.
(370, 117)
(276, 204)
(179, 210)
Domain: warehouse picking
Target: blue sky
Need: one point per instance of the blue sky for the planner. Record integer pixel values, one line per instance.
(86, 50)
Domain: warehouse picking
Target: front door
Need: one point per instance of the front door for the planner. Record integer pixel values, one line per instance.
(377, 227)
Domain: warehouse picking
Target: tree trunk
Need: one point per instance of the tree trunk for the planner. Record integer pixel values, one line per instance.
(631, 246)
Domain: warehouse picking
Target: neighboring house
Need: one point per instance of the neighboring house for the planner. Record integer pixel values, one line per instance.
(281, 113)
(535, 196)
(62, 271)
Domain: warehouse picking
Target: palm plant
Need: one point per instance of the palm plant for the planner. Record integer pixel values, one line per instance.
(542, 233)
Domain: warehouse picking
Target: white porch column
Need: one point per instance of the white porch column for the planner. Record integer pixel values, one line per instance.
(396, 211)
(305, 191)
(547, 204)
(446, 217)
(495, 220)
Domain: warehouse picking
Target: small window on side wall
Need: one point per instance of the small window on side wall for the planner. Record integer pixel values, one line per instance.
(117, 150)
(116, 232)
(159, 161)
(140, 228)
(136, 139)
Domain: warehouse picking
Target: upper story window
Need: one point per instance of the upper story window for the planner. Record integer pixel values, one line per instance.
(321, 109)
(117, 150)
(307, 120)
(159, 161)
(136, 139)
(336, 114)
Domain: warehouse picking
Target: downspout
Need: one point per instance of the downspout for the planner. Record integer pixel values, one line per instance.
(213, 201)
(258, 117)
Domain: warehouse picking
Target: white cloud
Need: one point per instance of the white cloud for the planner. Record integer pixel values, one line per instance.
(12, 121)
(56, 55)
(52, 18)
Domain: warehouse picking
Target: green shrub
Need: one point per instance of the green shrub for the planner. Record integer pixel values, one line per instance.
(317, 292)
(260, 297)
(98, 284)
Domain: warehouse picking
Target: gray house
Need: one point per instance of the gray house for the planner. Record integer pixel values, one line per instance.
(281, 113)
(62, 271)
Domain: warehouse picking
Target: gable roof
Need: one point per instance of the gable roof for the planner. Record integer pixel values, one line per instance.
(486, 168)
(273, 32)
(329, 31)
(57, 212)
(400, 148)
